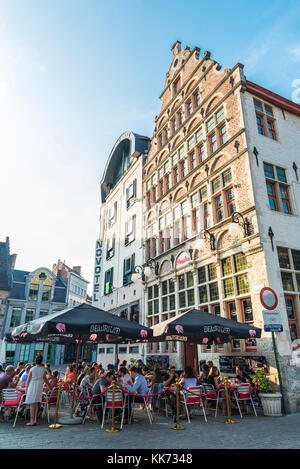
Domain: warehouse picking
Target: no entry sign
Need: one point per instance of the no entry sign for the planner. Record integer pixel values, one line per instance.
(268, 298)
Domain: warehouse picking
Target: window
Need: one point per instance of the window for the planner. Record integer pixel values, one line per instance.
(108, 281)
(33, 292)
(134, 349)
(176, 86)
(265, 119)
(130, 193)
(153, 300)
(189, 107)
(43, 312)
(46, 293)
(196, 99)
(112, 215)
(10, 353)
(128, 269)
(277, 188)
(292, 318)
(193, 160)
(130, 228)
(24, 353)
(15, 317)
(29, 315)
(216, 127)
(110, 247)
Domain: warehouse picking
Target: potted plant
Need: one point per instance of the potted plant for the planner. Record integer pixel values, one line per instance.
(270, 398)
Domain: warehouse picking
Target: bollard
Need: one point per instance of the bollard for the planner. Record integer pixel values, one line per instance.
(57, 425)
(229, 420)
(177, 426)
(113, 429)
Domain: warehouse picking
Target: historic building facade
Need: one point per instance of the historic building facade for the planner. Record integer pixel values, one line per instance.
(33, 295)
(221, 208)
(119, 247)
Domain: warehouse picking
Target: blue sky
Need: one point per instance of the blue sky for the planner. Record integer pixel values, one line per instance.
(75, 74)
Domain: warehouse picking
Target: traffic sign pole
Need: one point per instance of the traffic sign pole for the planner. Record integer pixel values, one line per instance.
(269, 300)
(279, 374)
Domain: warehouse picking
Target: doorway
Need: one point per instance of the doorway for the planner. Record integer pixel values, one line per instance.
(191, 356)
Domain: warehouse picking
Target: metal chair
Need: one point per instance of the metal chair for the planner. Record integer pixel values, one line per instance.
(187, 399)
(147, 401)
(243, 394)
(49, 399)
(119, 403)
(12, 399)
(216, 397)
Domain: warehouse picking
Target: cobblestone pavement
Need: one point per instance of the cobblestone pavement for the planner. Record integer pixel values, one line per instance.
(248, 433)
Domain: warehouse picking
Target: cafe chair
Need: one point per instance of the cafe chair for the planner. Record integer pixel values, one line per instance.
(188, 398)
(49, 399)
(12, 399)
(215, 398)
(147, 402)
(243, 394)
(120, 403)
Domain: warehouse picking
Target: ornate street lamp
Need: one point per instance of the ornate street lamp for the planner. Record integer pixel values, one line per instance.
(203, 237)
(144, 271)
(238, 219)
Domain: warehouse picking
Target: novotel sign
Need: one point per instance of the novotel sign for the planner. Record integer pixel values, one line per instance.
(97, 271)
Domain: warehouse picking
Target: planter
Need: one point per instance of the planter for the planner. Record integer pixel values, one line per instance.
(271, 404)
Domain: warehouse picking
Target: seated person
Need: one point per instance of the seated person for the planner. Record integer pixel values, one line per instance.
(69, 377)
(21, 386)
(203, 378)
(101, 385)
(170, 380)
(188, 378)
(6, 379)
(241, 375)
(157, 376)
(53, 381)
(124, 377)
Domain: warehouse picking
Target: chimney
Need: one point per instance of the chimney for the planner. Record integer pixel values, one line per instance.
(13, 259)
(77, 269)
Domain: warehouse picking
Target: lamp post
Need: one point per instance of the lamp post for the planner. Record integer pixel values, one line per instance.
(203, 236)
(144, 271)
(238, 219)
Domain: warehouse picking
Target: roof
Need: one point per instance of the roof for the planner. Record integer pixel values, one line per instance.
(272, 98)
(19, 283)
(127, 145)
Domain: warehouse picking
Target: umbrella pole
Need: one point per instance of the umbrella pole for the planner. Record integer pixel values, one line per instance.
(76, 372)
(116, 355)
(43, 350)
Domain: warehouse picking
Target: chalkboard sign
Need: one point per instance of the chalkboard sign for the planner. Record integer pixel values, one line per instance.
(248, 364)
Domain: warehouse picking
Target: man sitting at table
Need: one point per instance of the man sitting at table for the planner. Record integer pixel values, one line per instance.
(139, 386)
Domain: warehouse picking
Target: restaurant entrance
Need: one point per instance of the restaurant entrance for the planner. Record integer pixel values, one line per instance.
(191, 356)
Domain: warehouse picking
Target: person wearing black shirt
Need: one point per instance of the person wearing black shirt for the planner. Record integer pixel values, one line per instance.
(241, 375)
(170, 380)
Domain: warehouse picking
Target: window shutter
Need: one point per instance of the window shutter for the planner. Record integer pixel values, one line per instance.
(134, 225)
(134, 187)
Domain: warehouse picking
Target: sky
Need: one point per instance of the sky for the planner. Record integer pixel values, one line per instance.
(76, 74)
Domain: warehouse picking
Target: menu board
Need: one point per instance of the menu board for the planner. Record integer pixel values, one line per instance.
(164, 359)
(249, 364)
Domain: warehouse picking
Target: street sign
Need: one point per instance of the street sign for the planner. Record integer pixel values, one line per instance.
(268, 298)
(272, 321)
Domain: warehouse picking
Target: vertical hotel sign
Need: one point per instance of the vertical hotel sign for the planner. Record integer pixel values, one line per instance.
(97, 271)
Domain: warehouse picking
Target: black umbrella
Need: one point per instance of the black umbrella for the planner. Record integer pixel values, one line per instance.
(197, 326)
(84, 323)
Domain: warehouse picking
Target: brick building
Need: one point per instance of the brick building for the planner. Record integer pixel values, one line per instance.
(222, 145)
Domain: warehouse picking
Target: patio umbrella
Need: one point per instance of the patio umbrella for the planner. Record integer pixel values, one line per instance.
(84, 323)
(198, 327)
